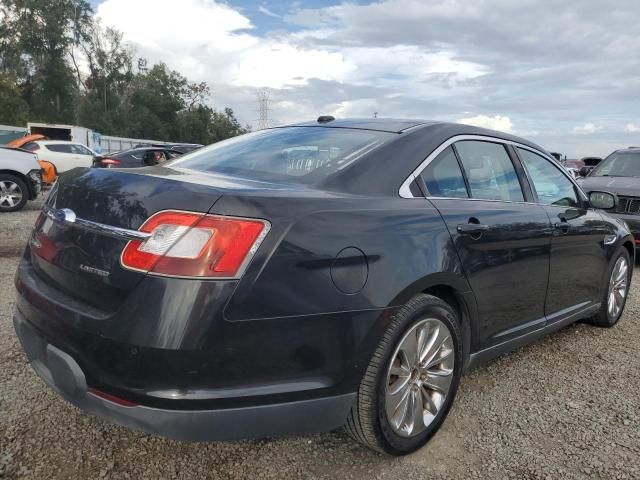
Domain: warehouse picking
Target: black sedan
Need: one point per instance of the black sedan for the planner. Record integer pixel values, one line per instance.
(302, 278)
(136, 157)
(619, 173)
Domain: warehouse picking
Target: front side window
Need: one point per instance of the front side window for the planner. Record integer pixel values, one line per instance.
(490, 172)
(550, 184)
(443, 176)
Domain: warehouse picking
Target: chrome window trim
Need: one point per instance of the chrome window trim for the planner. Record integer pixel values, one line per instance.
(405, 188)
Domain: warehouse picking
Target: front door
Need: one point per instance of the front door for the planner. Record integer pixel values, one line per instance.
(578, 256)
(503, 242)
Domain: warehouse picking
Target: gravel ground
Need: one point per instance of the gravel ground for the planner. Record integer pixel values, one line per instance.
(565, 407)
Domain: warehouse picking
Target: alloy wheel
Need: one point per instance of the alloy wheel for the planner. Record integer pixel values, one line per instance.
(617, 287)
(10, 194)
(419, 377)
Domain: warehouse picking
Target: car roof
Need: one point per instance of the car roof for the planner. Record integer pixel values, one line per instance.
(141, 149)
(394, 125)
(629, 150)
(408, 144)
(57, 142)
(402, 125)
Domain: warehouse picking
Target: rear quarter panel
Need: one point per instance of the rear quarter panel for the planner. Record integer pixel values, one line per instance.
(395, 243)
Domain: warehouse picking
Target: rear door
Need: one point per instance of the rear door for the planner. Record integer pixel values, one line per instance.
(503, 240)
(578, 254)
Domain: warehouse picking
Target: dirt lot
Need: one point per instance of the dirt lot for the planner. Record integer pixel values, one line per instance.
(565, 407)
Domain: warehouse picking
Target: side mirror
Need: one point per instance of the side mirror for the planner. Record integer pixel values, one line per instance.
(603, 200)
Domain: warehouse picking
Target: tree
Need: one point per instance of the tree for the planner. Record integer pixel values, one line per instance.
(156, 99)
(58, 64)
(13, 109)
(225, 125)
(36, 39)
(107, 88)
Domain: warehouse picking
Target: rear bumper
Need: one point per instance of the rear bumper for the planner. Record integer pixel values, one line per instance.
(62, 373)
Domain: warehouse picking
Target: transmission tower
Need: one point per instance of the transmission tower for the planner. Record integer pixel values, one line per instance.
(263, 109)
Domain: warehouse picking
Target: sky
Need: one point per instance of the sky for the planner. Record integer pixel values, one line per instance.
(564, 74)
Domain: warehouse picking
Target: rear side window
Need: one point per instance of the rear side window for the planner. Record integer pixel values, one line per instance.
(443, 176)
(60, 148)
(80, 150)
(31, 146)
(298, 154)
(551, 186)
(490, 172)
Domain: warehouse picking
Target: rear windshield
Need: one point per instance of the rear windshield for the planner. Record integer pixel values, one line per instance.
(298, 154)
(619, 164)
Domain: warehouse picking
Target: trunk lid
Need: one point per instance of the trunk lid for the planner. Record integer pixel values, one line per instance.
(86, 265)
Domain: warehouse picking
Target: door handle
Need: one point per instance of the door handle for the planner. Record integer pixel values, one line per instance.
(472, 228)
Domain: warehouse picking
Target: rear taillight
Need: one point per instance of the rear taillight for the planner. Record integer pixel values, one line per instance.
(109, 163)
(185, 244)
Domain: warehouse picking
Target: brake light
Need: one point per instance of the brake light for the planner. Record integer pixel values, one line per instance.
(109, 163)
(186, 244)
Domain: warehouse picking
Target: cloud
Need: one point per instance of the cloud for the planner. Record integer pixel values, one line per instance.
(217, 47)
(632, 128)
(587, 129)
(497, 122)
(264, 10)
(409, 58)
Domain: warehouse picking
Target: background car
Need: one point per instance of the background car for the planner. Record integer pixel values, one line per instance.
(136, 157)
(583, 165)
(20, 178)
(175, 147)
(575, 173)
(63, 155)
(22, 141)
(49, 172)
(619, 173)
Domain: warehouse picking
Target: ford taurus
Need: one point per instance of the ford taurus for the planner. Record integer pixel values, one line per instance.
(303, 278)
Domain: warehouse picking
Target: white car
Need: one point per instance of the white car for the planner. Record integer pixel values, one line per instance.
(20, 179)
(64, 155)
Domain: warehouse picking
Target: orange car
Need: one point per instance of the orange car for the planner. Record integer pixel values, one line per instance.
(49, 172)
(22, 141)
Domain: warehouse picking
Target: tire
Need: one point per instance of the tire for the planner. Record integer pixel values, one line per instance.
(606, 317)
(368, 421)
(13, 193)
